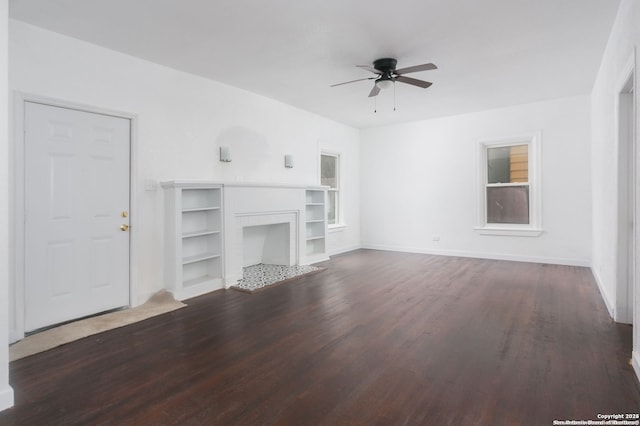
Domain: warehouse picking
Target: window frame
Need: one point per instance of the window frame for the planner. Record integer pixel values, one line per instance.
(534, 227)
(338, 189)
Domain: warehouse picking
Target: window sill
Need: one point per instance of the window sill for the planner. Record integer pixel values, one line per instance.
(337, 228)
(510, 232)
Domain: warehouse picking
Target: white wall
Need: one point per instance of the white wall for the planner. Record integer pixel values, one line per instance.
(182, 120)
(6, 393)
(625, 36)
(419, 182)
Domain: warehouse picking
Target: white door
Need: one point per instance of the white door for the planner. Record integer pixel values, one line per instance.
(76, 201)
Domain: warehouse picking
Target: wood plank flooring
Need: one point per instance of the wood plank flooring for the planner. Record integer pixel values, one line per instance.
(379, 338)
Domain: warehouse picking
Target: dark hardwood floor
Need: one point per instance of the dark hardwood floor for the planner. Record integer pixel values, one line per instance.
(379, 338)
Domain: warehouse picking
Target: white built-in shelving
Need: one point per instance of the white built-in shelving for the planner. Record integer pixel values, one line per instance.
(193, 238)
(315, 224)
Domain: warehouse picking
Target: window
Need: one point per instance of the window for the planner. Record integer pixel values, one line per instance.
(330, 176)
(509, 187)
(508, 184)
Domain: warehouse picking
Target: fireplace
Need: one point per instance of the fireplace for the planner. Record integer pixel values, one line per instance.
(263, 224)
(269, 237)
(267, 244)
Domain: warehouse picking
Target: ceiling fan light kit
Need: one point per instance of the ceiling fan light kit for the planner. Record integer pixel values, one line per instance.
(384, 83)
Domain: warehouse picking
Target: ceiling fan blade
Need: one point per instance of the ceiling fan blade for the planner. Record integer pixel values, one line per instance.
(416, 68)
(374, 91)
(413, 81)
(353, 81)
(369, 68)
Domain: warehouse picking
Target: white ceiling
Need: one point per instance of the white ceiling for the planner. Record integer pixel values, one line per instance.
(490, 53)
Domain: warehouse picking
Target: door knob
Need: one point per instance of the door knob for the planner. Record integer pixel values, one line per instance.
(124, 227)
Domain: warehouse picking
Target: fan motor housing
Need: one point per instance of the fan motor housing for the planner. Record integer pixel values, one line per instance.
(385, 65)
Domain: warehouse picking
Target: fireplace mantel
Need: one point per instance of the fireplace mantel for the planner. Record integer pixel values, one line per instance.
(262, 203)
(301, 207)
(194, 183)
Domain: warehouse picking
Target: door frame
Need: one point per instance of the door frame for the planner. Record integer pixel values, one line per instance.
(627, 247)
(17, 308)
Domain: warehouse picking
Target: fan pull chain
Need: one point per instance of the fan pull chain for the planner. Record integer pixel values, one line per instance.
(375, 104)
(394, 95)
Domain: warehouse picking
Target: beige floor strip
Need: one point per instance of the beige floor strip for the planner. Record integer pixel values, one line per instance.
(162, 302)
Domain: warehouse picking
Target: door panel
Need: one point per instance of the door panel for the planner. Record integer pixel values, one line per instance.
(76, 186)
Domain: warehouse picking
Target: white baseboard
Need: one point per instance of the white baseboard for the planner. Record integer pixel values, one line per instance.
(14, 336)
(198, 289)
(635, 363)
(231, 280)
(343, 250)
(483, 255)
(317, 260)
(610, 306)
(6, 398)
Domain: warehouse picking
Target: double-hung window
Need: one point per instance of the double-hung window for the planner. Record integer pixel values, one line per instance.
(509, 189)
(330, 176)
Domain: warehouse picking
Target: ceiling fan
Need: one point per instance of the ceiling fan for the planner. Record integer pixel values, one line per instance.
(387, 74)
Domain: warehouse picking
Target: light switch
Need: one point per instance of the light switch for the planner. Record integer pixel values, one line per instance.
(150, 185)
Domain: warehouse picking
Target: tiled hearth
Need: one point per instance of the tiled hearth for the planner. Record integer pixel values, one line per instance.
(256, 277)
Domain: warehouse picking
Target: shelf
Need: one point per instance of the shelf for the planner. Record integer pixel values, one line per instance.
(315, 213)
(200, 209)
(201, 220)
(315, 229)
(203, 271)
(193, 238)
(197, 281)
(316, 247)
(199, 257)
(199, 233)
(314, 197)
(315, 224)
(194, 199)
